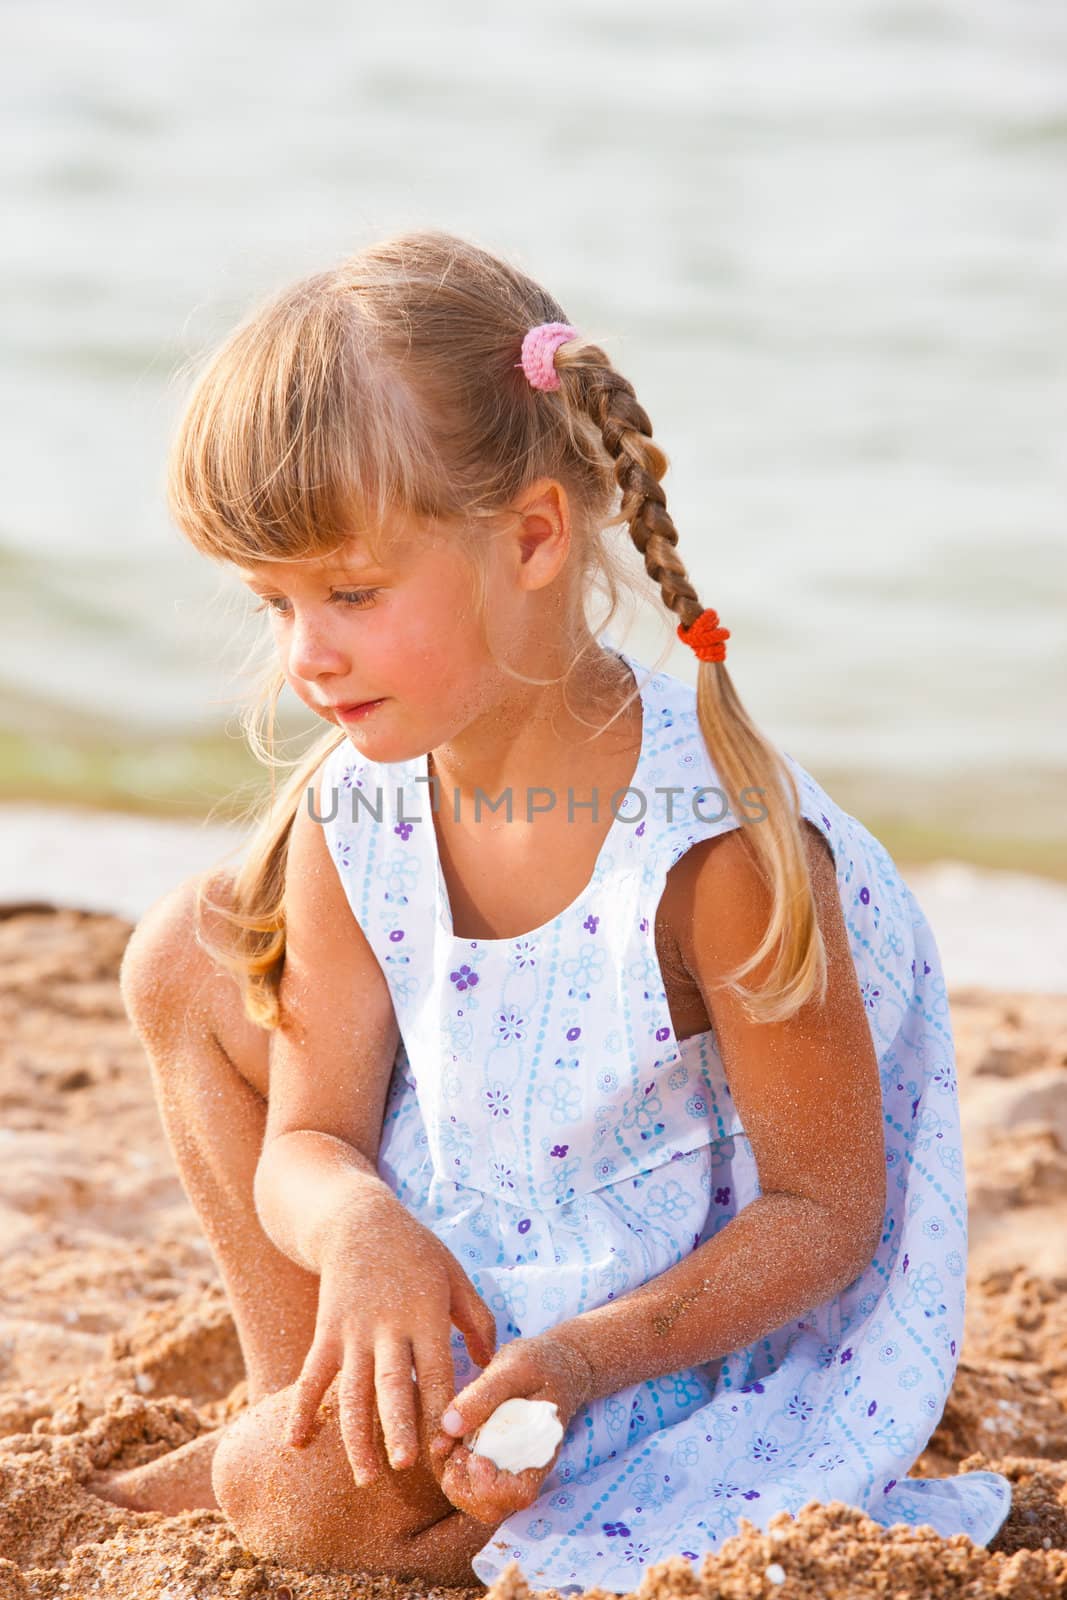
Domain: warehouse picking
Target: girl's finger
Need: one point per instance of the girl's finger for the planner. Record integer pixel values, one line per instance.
(490, 1492)
(436, 1379)
(476, 1403)
(316, 1375)
(481, 1489)
(455, 1480)
(355, 1396)
(396, 1400)
(473, 1318)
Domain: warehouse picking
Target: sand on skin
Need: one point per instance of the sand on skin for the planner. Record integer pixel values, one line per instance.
(116, 1344)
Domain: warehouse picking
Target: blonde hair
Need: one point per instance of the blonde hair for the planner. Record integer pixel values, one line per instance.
(389, 383)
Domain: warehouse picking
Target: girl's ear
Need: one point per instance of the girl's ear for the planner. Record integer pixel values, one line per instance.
(543, 532)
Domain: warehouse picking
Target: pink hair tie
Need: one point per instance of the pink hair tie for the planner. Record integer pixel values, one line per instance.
(539, 352)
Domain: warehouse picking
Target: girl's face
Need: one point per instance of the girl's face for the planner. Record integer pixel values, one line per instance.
(404, 634)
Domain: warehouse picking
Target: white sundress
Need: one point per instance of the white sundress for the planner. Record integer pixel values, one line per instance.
(546, 1124)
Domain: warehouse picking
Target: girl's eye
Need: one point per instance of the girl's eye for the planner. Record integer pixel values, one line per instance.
(349, 597)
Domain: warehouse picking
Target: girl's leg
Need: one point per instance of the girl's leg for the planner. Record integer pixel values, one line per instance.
(210, 1073)
(211, 1068)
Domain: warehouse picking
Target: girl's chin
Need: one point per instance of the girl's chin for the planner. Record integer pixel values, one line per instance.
(387, 746)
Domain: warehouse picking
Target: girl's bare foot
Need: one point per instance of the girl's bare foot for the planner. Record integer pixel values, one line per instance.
(178, 1481)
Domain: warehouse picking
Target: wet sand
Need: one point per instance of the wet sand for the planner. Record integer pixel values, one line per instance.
(116, 1344)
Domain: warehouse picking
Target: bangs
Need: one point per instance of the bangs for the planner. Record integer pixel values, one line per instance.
(299, 435)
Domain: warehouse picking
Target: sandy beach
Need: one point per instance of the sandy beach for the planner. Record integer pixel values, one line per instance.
(116, 1344)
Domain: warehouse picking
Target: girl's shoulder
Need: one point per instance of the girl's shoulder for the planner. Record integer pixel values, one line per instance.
(680, 759)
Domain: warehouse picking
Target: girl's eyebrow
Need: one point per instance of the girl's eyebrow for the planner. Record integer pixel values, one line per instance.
(347, 569)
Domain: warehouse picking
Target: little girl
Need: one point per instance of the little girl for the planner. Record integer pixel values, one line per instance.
(582, 1048)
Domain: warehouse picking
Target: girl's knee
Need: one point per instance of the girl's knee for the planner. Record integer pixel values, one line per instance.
(164, 963)
(158, 946)
(302, 1506)
(257, 1490)
(229, 1475)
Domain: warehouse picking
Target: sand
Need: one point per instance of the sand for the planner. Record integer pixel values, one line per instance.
(116, 1344)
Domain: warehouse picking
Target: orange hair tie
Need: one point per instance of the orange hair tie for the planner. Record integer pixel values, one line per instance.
(704, 637)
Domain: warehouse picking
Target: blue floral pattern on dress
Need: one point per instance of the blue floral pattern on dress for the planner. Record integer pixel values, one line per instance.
(546, 1124)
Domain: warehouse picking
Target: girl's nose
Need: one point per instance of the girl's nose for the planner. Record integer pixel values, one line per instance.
(312, 649)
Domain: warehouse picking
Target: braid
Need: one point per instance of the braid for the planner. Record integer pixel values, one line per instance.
(639, 464)
(745, 761)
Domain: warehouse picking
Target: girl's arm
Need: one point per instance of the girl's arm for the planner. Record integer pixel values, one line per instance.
(389, 1290)
(331, 1060)
(809, 1095)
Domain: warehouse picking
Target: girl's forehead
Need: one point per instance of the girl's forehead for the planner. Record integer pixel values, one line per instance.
(394, 551)
(356, 555)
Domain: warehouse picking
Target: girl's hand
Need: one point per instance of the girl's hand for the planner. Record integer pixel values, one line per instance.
(546, 1367)
(389, 1292)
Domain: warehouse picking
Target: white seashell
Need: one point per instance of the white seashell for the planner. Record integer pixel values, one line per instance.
(519, 1434)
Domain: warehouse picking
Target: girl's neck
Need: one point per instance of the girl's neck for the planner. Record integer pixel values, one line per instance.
(541, 738)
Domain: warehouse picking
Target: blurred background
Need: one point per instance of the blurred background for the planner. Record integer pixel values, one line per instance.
(826, 244)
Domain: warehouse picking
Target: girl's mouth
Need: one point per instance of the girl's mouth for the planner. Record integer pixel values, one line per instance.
(357, 709)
